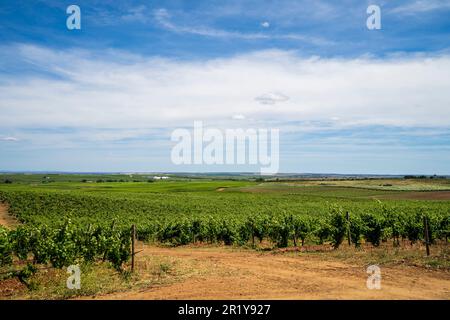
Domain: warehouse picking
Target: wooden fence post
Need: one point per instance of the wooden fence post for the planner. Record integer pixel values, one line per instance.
(348, 229)
(133, 238)
(427, 235)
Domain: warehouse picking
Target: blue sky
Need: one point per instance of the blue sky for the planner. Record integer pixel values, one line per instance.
(107, 97)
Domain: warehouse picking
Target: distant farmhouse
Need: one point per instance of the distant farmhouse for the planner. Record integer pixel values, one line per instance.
(160, 178)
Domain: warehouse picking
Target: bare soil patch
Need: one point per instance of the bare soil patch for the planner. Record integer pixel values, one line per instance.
(11, 287)
(244, 274)
(420, 195)
(6, 219)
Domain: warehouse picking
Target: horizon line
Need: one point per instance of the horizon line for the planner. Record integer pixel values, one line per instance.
(217, 173)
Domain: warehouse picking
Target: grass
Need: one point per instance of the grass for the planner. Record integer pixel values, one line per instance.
(388, 255)
(96, 279)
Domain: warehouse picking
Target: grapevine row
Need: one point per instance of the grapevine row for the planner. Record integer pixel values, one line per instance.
(64, 245)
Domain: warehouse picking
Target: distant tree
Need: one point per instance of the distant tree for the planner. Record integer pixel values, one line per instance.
(7, 181)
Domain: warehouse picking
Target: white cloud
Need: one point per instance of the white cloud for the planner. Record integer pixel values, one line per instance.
(420, 6)
(265, 24)
(138, 14)
(238, 117)
(9, 139)
(163, 18)
(272, 98)
(124, 91)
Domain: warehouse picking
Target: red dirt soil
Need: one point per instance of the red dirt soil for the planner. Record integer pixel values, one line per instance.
(241, 274)
(6, 219)
(422, 195)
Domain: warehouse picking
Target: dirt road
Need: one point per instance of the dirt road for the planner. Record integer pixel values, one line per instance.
(244, 274)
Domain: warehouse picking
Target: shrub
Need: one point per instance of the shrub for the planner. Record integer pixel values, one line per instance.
(413, 227)
(323, 229)
(338, 226)
(302, 228)
(373, 227)
(6, 249)
(357, 229)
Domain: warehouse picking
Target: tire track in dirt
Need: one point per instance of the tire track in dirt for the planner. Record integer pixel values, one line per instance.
(252, 275)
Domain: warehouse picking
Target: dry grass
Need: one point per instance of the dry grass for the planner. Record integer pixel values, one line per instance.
(386, 254)
(159, 267)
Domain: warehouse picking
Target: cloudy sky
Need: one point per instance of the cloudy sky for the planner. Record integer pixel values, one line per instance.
(107, 97)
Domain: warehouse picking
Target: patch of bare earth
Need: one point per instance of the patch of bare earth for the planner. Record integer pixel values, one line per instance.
(6, 219)
(420, 195)
(244, 274)
(11, 287)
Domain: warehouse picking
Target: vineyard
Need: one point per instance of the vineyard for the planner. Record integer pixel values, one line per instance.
(69, 223)
(64, 245)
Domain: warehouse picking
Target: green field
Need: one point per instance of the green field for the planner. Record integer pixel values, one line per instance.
(35, 200)
(66, 219)
(181, 211)
(143, 202)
